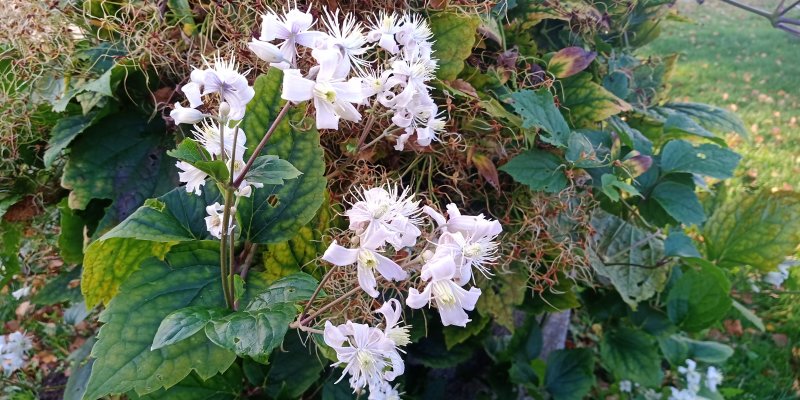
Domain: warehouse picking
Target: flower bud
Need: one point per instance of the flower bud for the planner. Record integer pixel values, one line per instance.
(185, 115)
(224, 110)
(266, 51)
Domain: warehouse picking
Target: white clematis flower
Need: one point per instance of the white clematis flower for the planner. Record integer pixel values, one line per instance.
(450, 298)
(392, 311)
(293, 27)
(383, 30)
(383, 391)
(221, 77)
(713, 378)
(367, 261)
(468, 225)
(13, 349)
(692, 376)
(333, 96)
(21, 292)
(415, 35)
(207, 134)
(385, 215)
(348, 39)
(470, 240)
(214, 220)
(186, 115)
(367, 354)
(191, 176)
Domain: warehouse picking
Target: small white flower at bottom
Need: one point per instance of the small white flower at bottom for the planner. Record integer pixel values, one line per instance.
(214, 220)
(369, 357)
(193, 177)
(713, 378)
(625, 386)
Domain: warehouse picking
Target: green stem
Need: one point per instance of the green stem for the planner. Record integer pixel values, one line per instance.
(232, 271)
(262, 143)
(224, 249)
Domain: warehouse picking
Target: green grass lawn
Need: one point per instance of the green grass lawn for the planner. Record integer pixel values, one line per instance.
(737, 60)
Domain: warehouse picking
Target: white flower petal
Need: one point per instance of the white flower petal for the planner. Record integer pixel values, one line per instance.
(295, 87)
(340, 256)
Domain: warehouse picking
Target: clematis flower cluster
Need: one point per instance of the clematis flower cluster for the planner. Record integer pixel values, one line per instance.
(370, 355)
(694, 378)
(465, 242)
(13, 351)
(217, 132)
(385, 222)
(349, 71)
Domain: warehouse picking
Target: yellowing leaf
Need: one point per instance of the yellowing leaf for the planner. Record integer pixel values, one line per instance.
(759, 230)
(587, 102)
(569, 61)
(454, 36)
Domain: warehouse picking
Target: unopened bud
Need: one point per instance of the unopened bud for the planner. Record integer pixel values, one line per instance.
(427, 255)
(224, 110)
(354, 240)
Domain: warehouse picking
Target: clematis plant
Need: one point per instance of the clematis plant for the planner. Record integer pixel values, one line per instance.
(394, 254)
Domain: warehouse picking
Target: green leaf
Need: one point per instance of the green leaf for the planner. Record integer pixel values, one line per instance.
(679, 201)
(569, 61)
(10, 243)
(631, 354)
(151, 230)
(227, 386)
(749, 315)
(254, 333)
(290, 289)
(680, 245)
(538, 169)
(275, 213)
(182, 12)
(500, 296)
(189, 276)
(699, 298)
(677, 349)
(67, 129)
(453, 38)
(193, 153)
(298, 370)
(759, 230)
(678, 124)
(271, 170)
(628, 257)
(710, 117)
(610, 184)
(588, 103)
(454, 336)
(705, 159)
(58, 290)
(581, 152)
(184, 323)
(569, 374)
(70, 239)
(282, 259)
(119, 158)
(538, 110)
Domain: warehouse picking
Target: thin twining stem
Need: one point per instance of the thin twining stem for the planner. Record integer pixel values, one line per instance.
(324, 308)
(262, 143)
(316, 292)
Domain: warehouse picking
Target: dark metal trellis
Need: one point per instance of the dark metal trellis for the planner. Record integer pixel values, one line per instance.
(777, 17)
